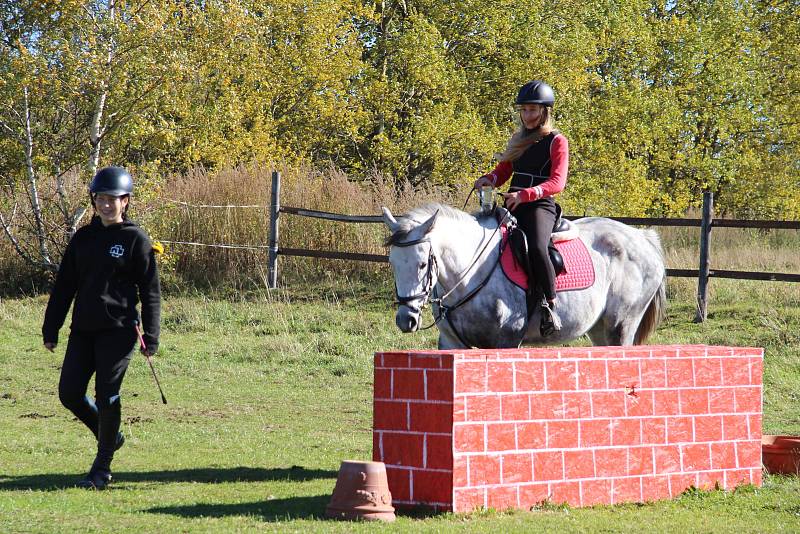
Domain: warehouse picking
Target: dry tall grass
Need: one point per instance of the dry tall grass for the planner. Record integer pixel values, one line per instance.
(176, 216)
(734, 249)
(169, 211)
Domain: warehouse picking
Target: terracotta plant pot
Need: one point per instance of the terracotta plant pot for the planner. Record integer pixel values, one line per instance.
(361, 492)
(781, 454)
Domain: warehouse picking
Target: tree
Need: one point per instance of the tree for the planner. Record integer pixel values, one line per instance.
(74, 82)
(660, 100)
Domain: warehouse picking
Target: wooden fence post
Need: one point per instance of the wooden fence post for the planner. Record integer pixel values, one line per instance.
(705, 257)
(274, 210)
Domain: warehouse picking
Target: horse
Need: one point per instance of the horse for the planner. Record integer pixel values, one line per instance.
(448, 257)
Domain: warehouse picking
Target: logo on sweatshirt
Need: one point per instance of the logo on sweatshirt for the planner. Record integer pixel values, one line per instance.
(116, 251)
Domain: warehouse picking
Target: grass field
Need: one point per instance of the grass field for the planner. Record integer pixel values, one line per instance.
(268, 393)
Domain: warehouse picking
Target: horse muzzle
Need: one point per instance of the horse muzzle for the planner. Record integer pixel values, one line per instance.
(407, 320)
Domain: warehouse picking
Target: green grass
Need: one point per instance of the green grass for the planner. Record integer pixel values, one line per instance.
(269, 393)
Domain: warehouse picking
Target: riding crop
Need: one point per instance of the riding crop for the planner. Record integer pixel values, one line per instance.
(150, 363)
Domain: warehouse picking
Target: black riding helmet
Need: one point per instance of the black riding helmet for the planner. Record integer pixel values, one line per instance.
(114, 181)
(535, 92)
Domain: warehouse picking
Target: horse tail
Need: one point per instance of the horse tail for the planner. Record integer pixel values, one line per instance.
(656, 309)
(653, 315)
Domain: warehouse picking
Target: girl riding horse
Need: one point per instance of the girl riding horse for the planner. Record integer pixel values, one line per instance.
(536, 159)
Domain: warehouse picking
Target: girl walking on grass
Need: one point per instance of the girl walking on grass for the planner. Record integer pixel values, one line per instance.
(107, 268)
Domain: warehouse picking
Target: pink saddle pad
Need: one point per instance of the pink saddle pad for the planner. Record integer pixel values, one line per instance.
(578, 272)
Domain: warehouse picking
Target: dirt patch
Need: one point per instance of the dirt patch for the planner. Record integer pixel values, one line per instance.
(35, 415)
(189, 416)
(135, 420)
(212, 413)
(215, 414)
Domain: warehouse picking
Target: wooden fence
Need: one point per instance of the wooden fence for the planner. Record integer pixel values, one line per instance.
(703, 273)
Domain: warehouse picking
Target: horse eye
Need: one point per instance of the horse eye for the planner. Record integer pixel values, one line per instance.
(423, 265)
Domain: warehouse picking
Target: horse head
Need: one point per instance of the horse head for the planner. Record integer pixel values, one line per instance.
(413, 261)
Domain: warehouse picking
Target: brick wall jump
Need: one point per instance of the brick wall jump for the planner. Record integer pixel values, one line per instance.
(583, 426)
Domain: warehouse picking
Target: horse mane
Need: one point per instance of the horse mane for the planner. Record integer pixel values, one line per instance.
(416, 216)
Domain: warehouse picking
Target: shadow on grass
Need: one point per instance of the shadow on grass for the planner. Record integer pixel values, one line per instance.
(209, 475)
(272, 510)
(275, 509)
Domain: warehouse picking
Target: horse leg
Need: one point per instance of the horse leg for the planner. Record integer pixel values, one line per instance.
(615, 328)
(597, 334)
(623, 328)
(620, 332)
(623, 333)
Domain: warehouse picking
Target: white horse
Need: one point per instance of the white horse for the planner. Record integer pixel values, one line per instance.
(449, 257)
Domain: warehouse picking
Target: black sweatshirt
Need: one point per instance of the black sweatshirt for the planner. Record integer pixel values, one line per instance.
(107, 270)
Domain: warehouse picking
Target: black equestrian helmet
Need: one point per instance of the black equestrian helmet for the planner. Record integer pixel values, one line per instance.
(115, 181)
(535, 92)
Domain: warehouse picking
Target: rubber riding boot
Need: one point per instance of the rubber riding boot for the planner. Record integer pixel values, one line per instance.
(550, 322)
(86, 412)
(99, 476)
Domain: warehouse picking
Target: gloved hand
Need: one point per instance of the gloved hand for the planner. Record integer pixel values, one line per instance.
(486, 179)
(512, 200)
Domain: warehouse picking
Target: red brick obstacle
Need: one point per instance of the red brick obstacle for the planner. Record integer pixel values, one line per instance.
(596, 425)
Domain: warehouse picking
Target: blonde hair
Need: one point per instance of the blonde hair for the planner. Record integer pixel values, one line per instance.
(523, 138)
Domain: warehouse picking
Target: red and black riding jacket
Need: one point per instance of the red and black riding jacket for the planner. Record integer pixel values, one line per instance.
(540, 172)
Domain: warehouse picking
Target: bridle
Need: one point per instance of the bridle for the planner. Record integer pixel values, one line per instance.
(430, 284)
(430, 279)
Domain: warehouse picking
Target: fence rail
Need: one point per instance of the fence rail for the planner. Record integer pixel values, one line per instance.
(333, 216)
(703, 273)
(715, 223)
(333, 255)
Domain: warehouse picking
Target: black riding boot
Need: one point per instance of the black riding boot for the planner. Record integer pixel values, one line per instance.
(550, 323)
(84, 409)
(99, 475)
(86, 412)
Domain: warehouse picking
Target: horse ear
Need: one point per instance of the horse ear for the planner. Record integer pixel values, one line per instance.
(428, 225)
(389, 219)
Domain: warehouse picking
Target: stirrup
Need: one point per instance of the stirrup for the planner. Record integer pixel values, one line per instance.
(550, 322)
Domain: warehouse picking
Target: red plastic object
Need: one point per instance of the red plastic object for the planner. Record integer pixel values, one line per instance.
(781, 454)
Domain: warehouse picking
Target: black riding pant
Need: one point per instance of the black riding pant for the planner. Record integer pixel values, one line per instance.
(537, 219)
(106, 354)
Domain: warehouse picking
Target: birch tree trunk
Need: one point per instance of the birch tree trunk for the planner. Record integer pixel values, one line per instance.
(96, 129)
(33, 190)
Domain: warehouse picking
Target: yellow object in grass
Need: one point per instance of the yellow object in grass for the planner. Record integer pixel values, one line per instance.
(158, 248)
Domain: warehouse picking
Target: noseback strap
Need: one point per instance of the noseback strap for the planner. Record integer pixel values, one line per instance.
(412, 243)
